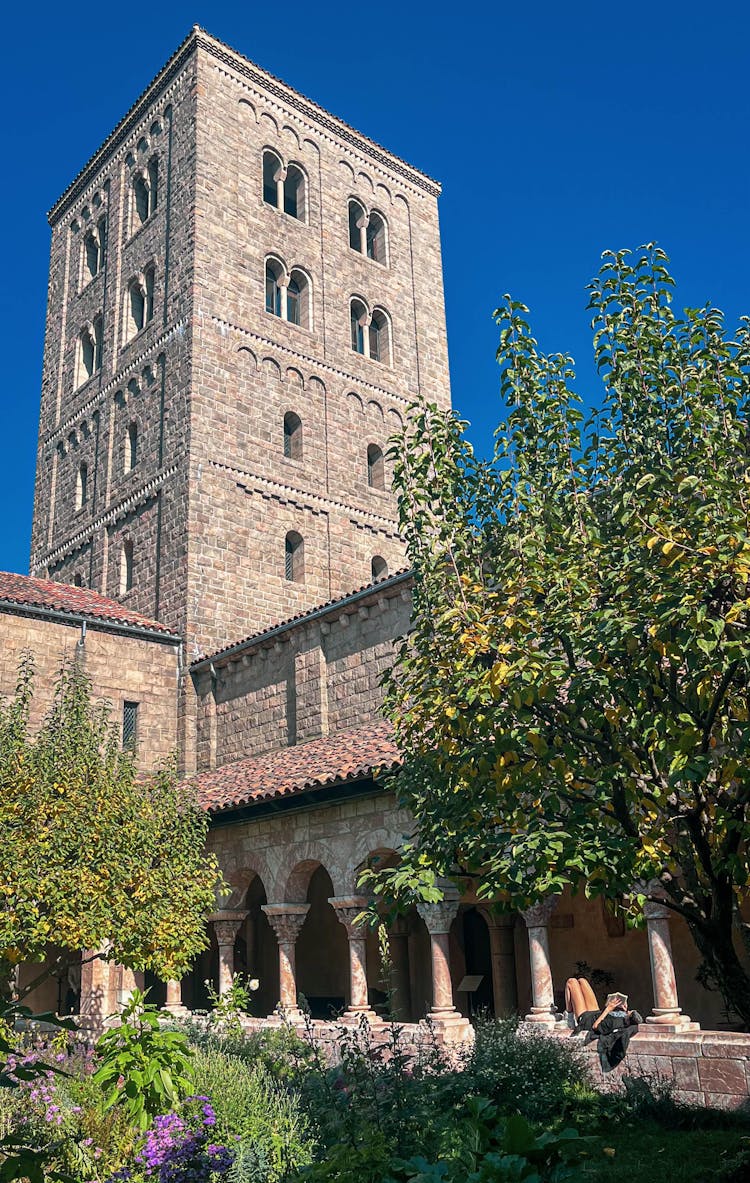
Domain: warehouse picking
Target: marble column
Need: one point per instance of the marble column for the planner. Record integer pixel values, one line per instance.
(503, 960)
(174, 998)
(543, 996)
(286, 920)
(666, 1014)
(443, 1014)
(226, 926)
(347, 909)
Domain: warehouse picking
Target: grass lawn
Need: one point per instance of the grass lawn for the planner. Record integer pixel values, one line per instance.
(646, 1153)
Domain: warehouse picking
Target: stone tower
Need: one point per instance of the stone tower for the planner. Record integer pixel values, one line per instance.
(244, 295)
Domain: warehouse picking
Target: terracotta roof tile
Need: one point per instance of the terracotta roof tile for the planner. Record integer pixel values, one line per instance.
(27, 592)
(346, 756)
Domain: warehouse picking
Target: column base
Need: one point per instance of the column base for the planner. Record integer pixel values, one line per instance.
(449, 1024)
(287, 1014)
(671, 1021)
(545, 1016)
(177, 1009)
(353, 1014)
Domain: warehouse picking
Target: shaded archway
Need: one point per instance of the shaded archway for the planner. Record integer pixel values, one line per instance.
(257, 949)
(322, 952)
(477, 954)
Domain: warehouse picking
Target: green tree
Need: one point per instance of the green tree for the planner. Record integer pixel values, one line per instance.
(91, 851)
(573, 699)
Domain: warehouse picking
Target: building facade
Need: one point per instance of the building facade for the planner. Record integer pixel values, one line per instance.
(245, 299)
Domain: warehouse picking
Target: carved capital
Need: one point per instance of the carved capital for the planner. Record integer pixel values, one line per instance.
(539, 915)
(438, 917)
(655, 910)
(226, 926)
(347, 909)
(286, 920)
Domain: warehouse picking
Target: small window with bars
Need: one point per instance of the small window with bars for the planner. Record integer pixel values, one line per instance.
(129, 726)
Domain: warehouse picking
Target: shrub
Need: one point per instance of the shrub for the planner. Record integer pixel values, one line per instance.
(259, 1119)
(522, 1071)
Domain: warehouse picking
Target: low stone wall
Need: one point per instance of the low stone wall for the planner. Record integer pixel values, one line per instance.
(710, 1068)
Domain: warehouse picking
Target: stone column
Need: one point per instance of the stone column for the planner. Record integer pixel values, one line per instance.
(363, 224)
(543, 997)
(443, 1014)
(666, 1014)
(503, 959)
(347, 908)
(286, 920)
(226, 926)
(174, 998)
(97, 993)
(280, 178)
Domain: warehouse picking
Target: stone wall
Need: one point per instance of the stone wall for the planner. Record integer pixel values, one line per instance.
(122, 669)
(310, 679)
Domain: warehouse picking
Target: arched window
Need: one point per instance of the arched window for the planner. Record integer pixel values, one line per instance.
(140, 199)
(131, 447)
(93, 252)
(272, 166)
(376, 238)
(294, 557)
(82, 485)
(141, 300)
(90, 350)
(146, 192)
(359, 323)
(126, 567)
(380, 345)
(78, 579)
(292, 436)
(375, 467)
(284, 187)
(357, 217)
(379, 567)
(298, 300)
(274, 274)
(294, 192)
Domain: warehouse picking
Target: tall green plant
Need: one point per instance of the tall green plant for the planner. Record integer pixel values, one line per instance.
(572, 702)
(143, 1067)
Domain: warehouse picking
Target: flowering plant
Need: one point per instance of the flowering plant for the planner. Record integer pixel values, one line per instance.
(228, 1007)
(177, 1147)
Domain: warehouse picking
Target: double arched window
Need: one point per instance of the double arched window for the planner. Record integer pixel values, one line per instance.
(145, 192)
(294, 557)
(284, 186)
(288, 293)
(371, 331)
(368, 232)
(292, 436)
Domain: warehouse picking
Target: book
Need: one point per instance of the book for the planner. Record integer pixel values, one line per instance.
(619, 998)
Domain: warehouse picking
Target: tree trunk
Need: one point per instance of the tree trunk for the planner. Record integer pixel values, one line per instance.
(716, 945)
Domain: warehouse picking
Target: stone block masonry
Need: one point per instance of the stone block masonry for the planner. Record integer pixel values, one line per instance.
(207, 381)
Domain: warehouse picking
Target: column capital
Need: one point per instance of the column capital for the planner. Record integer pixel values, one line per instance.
(656, 910)
(540, 914)
(227, 924)
(496, 919)
(347, 909)
(286, 920)
(438, 916)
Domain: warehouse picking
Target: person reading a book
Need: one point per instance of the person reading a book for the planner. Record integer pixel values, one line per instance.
(613, 1024)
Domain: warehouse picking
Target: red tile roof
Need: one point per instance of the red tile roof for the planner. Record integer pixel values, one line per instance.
(346, 756)
(28, 592)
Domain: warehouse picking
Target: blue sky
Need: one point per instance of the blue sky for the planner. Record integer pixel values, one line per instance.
(557, 131)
